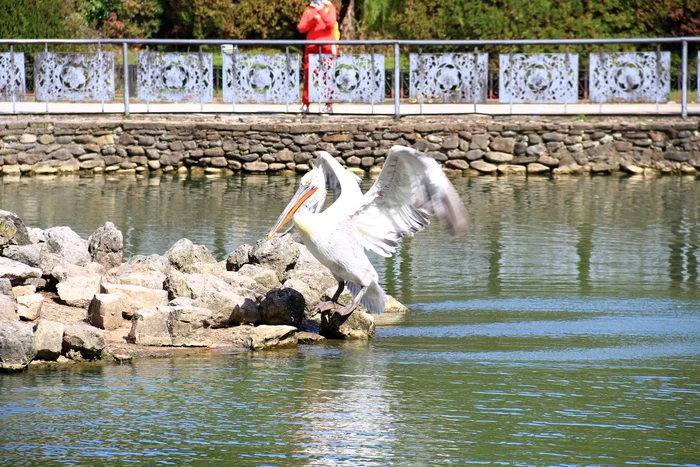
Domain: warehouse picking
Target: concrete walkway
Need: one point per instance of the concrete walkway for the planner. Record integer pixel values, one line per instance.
(387, 109)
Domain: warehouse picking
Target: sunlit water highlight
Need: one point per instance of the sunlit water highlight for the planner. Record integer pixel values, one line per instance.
(564, 329)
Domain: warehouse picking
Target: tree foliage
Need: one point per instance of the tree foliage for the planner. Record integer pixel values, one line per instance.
(402, 19)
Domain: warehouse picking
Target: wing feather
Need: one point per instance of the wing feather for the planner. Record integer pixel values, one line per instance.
(410, 189)
(337, 177)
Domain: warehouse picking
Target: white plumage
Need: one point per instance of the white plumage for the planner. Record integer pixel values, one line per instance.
(410, 189)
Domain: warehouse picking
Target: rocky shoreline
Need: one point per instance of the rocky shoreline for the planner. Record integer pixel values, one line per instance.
(67, 299)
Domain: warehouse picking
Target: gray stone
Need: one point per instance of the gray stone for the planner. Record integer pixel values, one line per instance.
(457, 164)
(451, 142)
(6, 287)
(106, 246)
(134, 297)
(228, 306)
(64, 242)
(78, 290)
(549, 161)
(17, 272)
(498, 157)
(283, 306)
(279, 254)
(8, 308)
(12, 230)
(84, 339)
(143, 275)
(553, 136)
(357, 326)
(536, 167)
(678, 156)
(503, 145)
(29, 306)
(479, 142)
(16, 345)
(483, 166)
(105, 311)
(475, 154)
(510, 169)
(536, 150)
(266, 277)
(184, 253)
(170, 326)
(48, 339)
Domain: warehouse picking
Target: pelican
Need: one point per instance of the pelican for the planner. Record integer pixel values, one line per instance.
(409, 190)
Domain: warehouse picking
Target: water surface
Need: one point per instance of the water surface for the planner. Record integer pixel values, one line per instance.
(563, 329)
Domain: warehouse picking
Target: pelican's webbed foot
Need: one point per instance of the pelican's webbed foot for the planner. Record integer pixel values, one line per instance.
(347, 309)
(326, 306)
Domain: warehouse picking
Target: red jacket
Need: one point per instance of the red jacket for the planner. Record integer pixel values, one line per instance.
(318, 23)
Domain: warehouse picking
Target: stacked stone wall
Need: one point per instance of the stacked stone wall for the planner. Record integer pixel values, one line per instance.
(473, 146)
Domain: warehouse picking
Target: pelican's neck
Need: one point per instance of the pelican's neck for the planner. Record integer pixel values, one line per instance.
(302, 222)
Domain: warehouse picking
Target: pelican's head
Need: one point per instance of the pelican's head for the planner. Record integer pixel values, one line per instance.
(309, 197)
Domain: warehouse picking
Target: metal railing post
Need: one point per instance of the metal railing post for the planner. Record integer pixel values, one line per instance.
(125, 54)
(397, 81)
(684, 79)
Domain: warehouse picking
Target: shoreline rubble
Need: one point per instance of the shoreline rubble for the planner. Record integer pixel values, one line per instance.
(67, 299)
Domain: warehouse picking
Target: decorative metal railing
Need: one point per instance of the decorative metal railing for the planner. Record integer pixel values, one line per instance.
(433, 78)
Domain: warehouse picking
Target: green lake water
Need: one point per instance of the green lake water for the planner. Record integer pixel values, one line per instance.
(562, 329)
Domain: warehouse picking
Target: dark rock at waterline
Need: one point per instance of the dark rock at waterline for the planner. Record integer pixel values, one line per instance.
(171, 326)
(358, 325)
(16, 345)
(48, 339)
(283, 306)
(86, 340)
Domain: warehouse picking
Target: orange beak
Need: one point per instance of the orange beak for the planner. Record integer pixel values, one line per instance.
(298, 200)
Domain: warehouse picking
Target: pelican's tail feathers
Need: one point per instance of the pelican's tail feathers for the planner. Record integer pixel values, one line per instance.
(373, 300)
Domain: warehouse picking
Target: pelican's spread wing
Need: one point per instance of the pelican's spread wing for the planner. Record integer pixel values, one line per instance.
(411, 188)
(338, 179)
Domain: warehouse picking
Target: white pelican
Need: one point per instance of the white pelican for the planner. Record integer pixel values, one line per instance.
(410, 188)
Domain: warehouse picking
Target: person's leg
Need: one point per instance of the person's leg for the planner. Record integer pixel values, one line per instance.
(329, 52)
(305, 94)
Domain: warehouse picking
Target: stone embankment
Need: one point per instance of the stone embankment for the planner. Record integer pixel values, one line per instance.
(64, 298)
(48, 145)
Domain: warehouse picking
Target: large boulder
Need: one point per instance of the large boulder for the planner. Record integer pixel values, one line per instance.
(265, 277)
(279, 254)
(135, 298)
(239, 257)
(67, 244)
(26, 254)
(283, 306)
(16, 345)
(8, 308)
(29, 306)
(105, 311)
(227, 304)
(86, 340)
(184, 253)
(12, 230)
(259, 337)
(156, 261)
(17, 272)
(48, 339)
(170, 326)
(356, 326)
(143, 275)
(78, 290)
(106, 246)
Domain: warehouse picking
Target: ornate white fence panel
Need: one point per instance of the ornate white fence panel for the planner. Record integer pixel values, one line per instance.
(630, 77)
(260, 78)
(346, 78)
(175, 77)
(12, 76)
(74, 76)
(449, 77)
(538, 78)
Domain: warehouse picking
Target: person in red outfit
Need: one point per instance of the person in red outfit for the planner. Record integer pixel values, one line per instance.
(319, 22)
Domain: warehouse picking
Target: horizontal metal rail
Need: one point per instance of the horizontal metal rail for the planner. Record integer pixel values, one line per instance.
(394, 44)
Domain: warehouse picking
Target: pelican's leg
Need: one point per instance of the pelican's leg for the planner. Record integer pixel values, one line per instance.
(333, 304)
(347, 309)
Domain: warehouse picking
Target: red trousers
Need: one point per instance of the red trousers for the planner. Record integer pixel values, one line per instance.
(313, 49)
